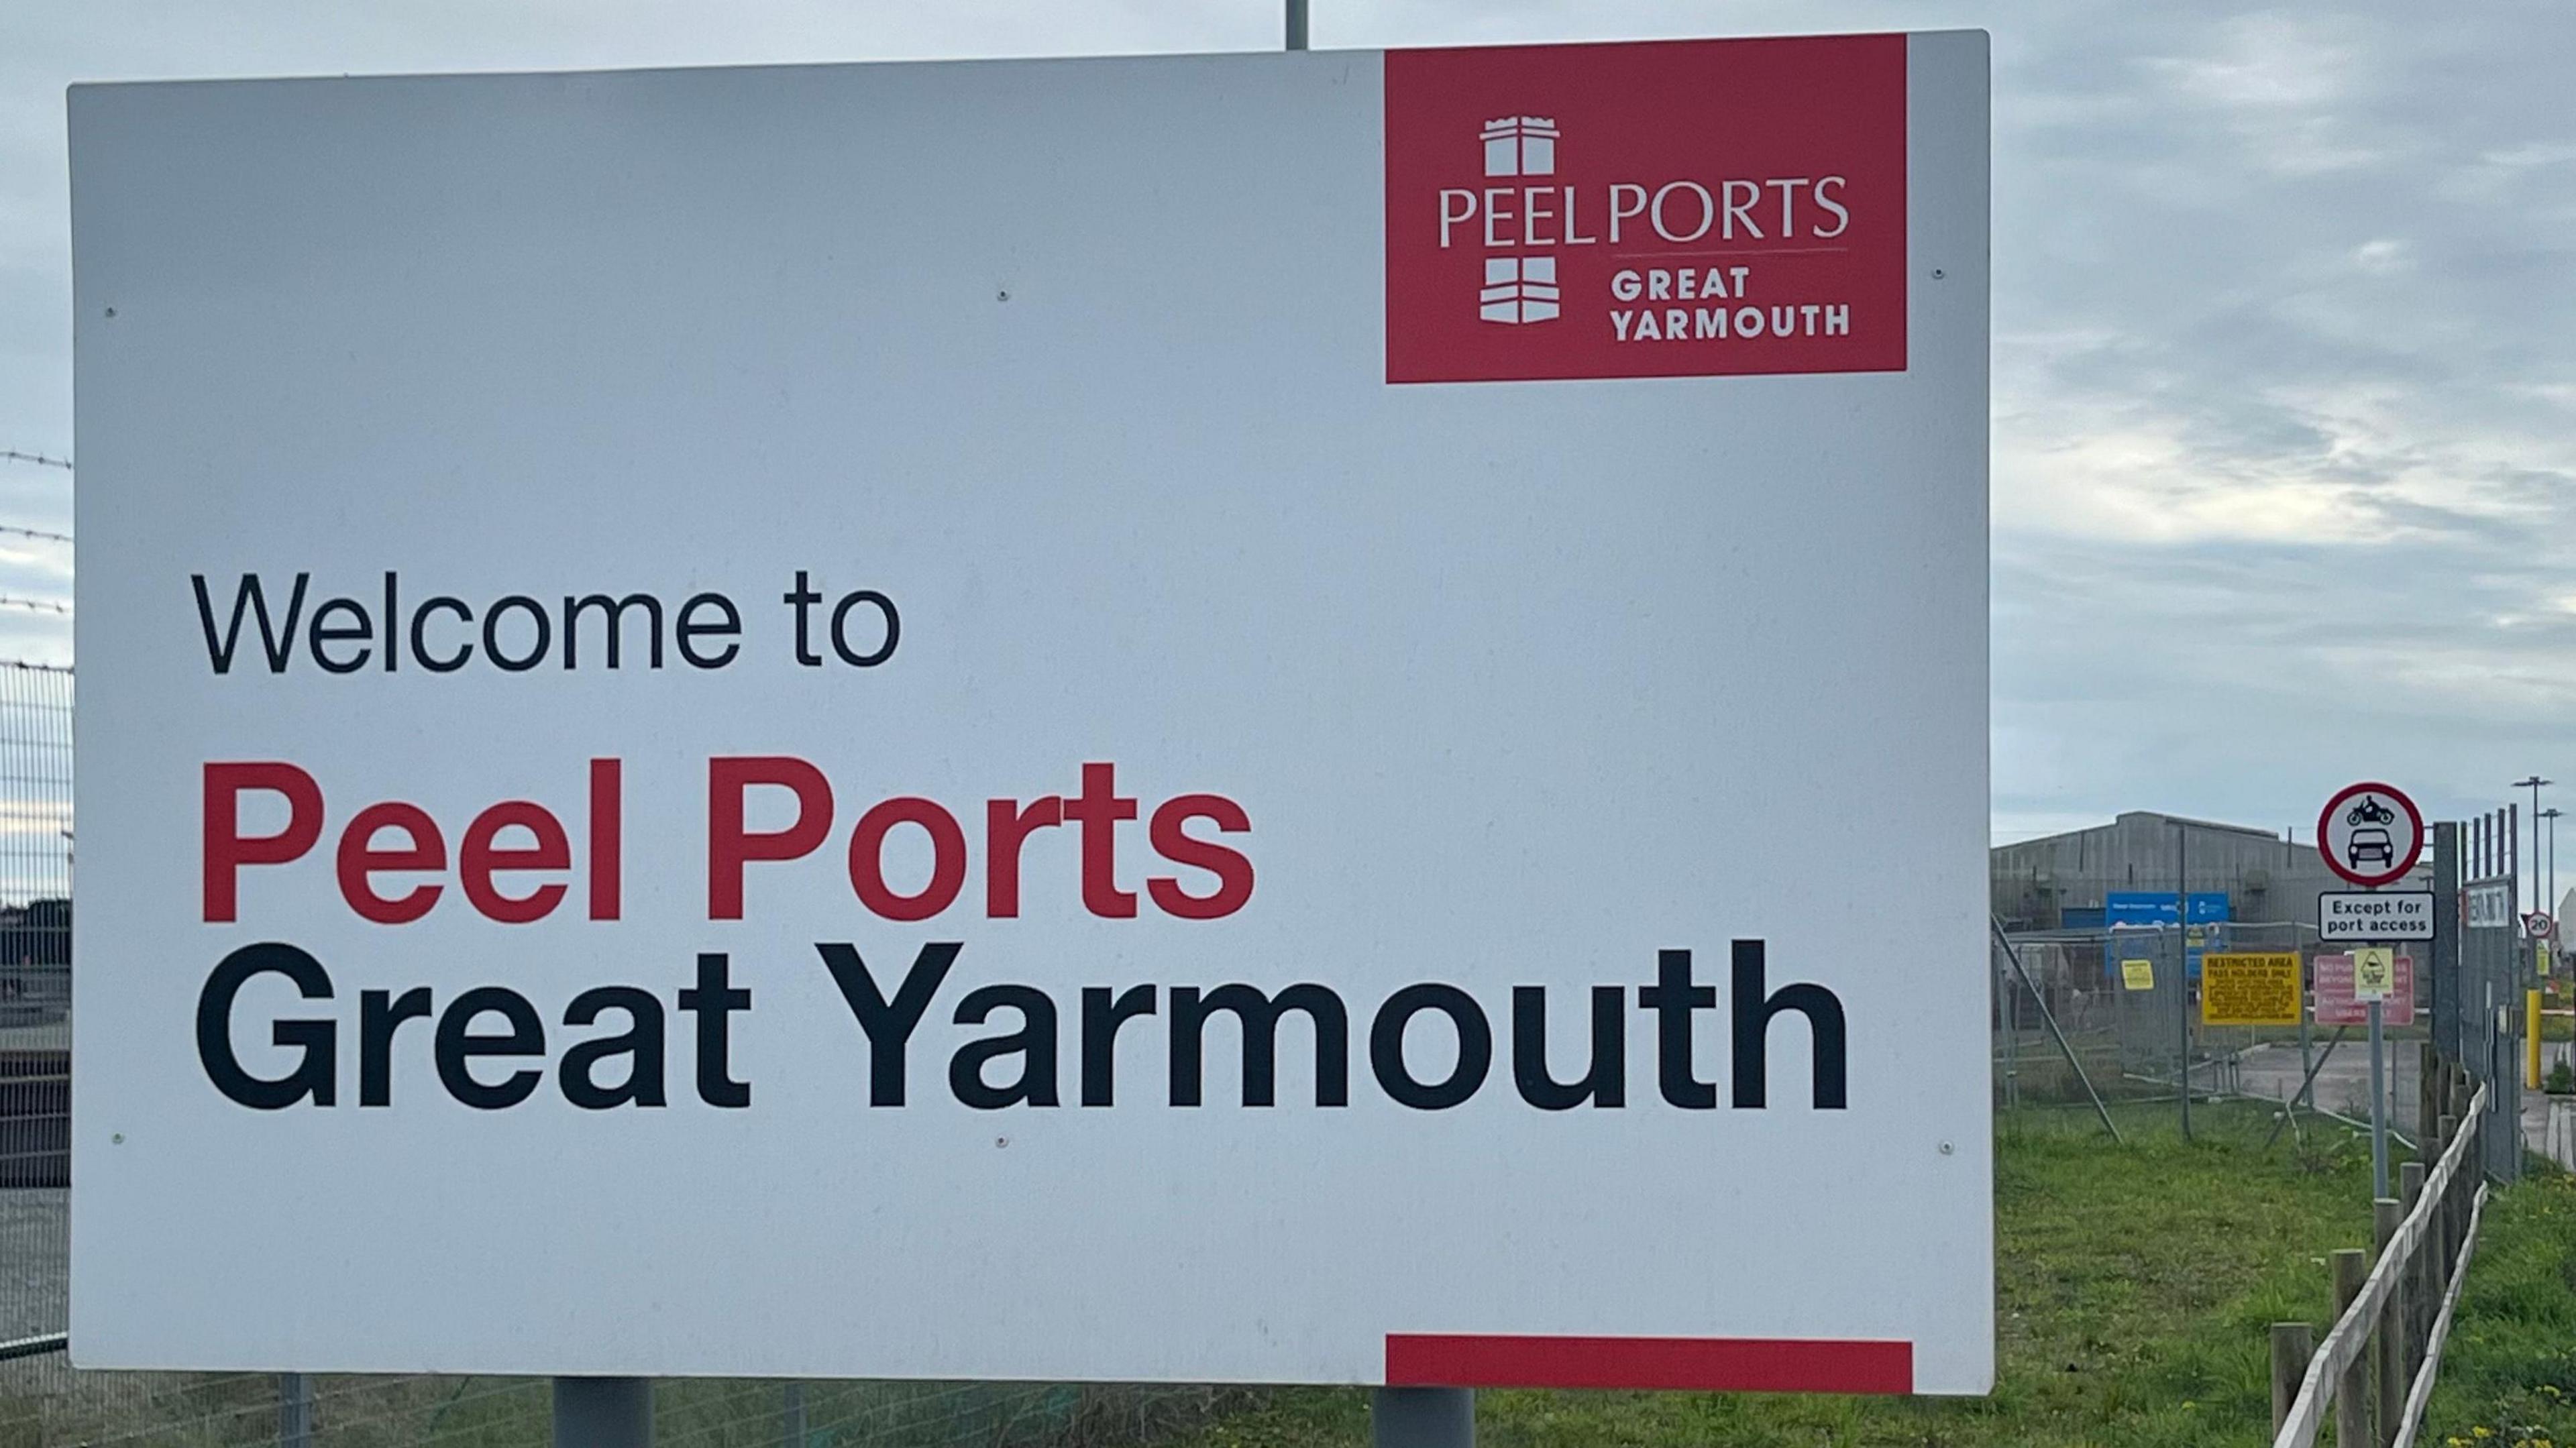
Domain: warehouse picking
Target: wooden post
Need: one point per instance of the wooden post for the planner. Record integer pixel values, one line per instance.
(2352, 1390)
(2293, 1343)
(2473, 1166)
(2419, 1279)
(2388, 1338)
(2449, 1234)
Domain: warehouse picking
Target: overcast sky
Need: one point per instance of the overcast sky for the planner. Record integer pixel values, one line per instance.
(2285, 338)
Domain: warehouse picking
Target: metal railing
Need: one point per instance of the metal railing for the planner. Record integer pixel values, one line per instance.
(2376, 1367)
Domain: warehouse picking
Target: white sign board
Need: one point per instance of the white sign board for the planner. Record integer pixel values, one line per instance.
(2490, 906)
(2375, 915)
(955, 721)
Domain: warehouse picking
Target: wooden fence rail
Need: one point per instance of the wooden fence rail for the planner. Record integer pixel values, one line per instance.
(2375, 1368)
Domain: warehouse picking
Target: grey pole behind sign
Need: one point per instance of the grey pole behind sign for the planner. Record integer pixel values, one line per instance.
(603, 1412)
(1407, 1417)
(1423, 1418)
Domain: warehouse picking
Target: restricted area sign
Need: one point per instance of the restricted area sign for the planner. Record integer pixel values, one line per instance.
(717, 743)
(2370, 834)
(2375, 915)
(2250, 988)
(2137, 975)
(2339, 1005)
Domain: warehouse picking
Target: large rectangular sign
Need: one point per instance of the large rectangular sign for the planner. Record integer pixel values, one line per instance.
(2375, 915)
(951, 721)
(2250, 988)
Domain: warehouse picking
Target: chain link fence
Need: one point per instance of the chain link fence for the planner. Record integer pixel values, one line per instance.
(2126, 1001)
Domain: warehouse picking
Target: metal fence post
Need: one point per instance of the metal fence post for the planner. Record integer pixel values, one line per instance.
(2293, 1343)
(2182, 968)
(2010, 1005)
(1423, 1418)
(294, 1411)
(603, 1413)
(2352, 1391)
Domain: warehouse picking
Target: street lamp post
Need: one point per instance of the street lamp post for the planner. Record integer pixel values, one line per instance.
(2549, 902)
(2533, 784)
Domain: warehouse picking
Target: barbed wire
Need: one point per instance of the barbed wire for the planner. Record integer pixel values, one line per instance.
(35, 533)
(39, 604)
(35, 668)
(39, 459)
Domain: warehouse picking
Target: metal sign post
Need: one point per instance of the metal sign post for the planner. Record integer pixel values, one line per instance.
(2378, 1106)
(603, 1412)
(2374, 975)
(2372, 835)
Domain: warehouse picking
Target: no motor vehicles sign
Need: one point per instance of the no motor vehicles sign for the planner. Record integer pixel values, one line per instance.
(1146, 719)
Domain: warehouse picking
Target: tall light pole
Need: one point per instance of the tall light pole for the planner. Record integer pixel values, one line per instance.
(2533, 784)
(2549, 903)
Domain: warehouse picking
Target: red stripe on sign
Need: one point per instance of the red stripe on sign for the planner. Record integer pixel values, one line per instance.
(1717, 1364)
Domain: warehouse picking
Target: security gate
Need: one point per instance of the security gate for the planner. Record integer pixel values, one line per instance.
(2478, 1008)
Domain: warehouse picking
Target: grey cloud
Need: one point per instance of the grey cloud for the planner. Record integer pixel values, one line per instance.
(2285, 335)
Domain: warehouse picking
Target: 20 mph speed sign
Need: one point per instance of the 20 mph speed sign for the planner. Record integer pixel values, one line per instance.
(2370, 834)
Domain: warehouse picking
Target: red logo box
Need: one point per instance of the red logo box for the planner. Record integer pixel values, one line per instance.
(1666, 209)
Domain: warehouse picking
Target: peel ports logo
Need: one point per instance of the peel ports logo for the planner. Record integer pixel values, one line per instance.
(1693, 208)
(1519, 288)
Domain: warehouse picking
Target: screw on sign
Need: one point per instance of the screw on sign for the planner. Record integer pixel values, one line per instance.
(2370, 834)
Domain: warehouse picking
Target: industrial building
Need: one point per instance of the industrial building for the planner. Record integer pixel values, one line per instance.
(2127, 872)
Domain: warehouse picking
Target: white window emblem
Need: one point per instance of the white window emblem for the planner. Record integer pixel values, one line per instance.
(1518, 289)
(1520, 146)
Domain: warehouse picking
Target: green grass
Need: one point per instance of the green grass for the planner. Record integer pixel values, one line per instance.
(2136, 1289)
(2509, 1373)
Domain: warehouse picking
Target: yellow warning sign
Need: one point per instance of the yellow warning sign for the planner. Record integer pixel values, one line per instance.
(2138, 975)
(2249, 989)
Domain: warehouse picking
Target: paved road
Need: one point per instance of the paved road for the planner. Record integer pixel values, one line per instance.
(2343, 1079)
(2343, 1087)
